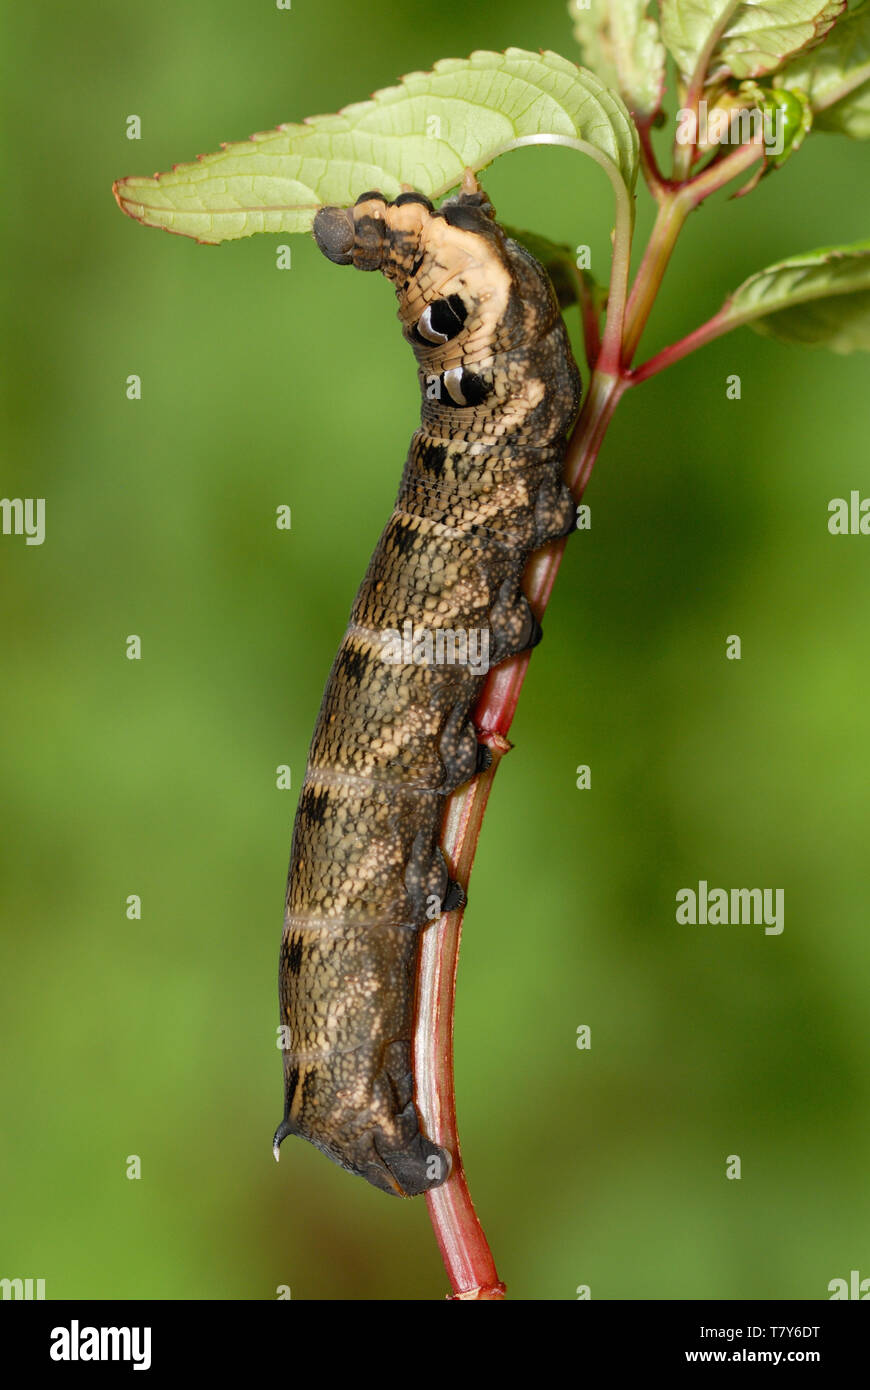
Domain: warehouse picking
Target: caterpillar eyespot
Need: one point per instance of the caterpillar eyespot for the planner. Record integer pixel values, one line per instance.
(464, 388)
(441, 320)
(482, 488)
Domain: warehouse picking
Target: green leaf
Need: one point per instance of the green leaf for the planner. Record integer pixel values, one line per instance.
(424, 133)
(819, 298)
(743, 39)
(836, 76)
(621, 43)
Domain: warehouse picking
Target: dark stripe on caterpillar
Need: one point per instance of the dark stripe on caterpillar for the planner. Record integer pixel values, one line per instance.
(482, 488)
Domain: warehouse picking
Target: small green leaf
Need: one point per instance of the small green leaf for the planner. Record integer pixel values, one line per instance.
(620, 42)
(820, 298)
(424, 133)
(743, 39)
(836, 76)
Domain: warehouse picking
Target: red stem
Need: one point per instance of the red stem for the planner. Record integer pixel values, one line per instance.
(589, 318)
(699, 337)
(466, 1254)
(464, 1249)
(655, 179)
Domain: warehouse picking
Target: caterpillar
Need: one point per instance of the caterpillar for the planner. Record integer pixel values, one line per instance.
(441, 601)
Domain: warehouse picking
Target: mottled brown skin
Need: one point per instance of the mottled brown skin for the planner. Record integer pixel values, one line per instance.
(482, 488)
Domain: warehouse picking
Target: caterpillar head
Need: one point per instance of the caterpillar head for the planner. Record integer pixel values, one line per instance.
(376, 234)
(472, 303)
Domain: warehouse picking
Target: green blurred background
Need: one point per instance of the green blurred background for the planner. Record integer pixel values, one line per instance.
(157, 777)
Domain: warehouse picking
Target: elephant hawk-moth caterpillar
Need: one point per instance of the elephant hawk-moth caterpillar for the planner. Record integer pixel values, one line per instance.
(482, 488)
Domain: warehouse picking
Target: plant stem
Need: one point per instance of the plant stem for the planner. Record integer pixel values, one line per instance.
(655, 179)
(588, 318)
(674, 207)
(466, 1254)
(610, 356)
(464, 1249)
(714, 328)
(722, 170)
(684, 153)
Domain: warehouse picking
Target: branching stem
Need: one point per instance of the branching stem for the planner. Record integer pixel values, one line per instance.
(466, 1254)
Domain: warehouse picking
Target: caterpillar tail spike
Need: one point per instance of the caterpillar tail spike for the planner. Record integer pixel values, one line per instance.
(279, 1136)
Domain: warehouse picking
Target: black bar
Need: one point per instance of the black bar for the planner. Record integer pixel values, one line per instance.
(276, 1339)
